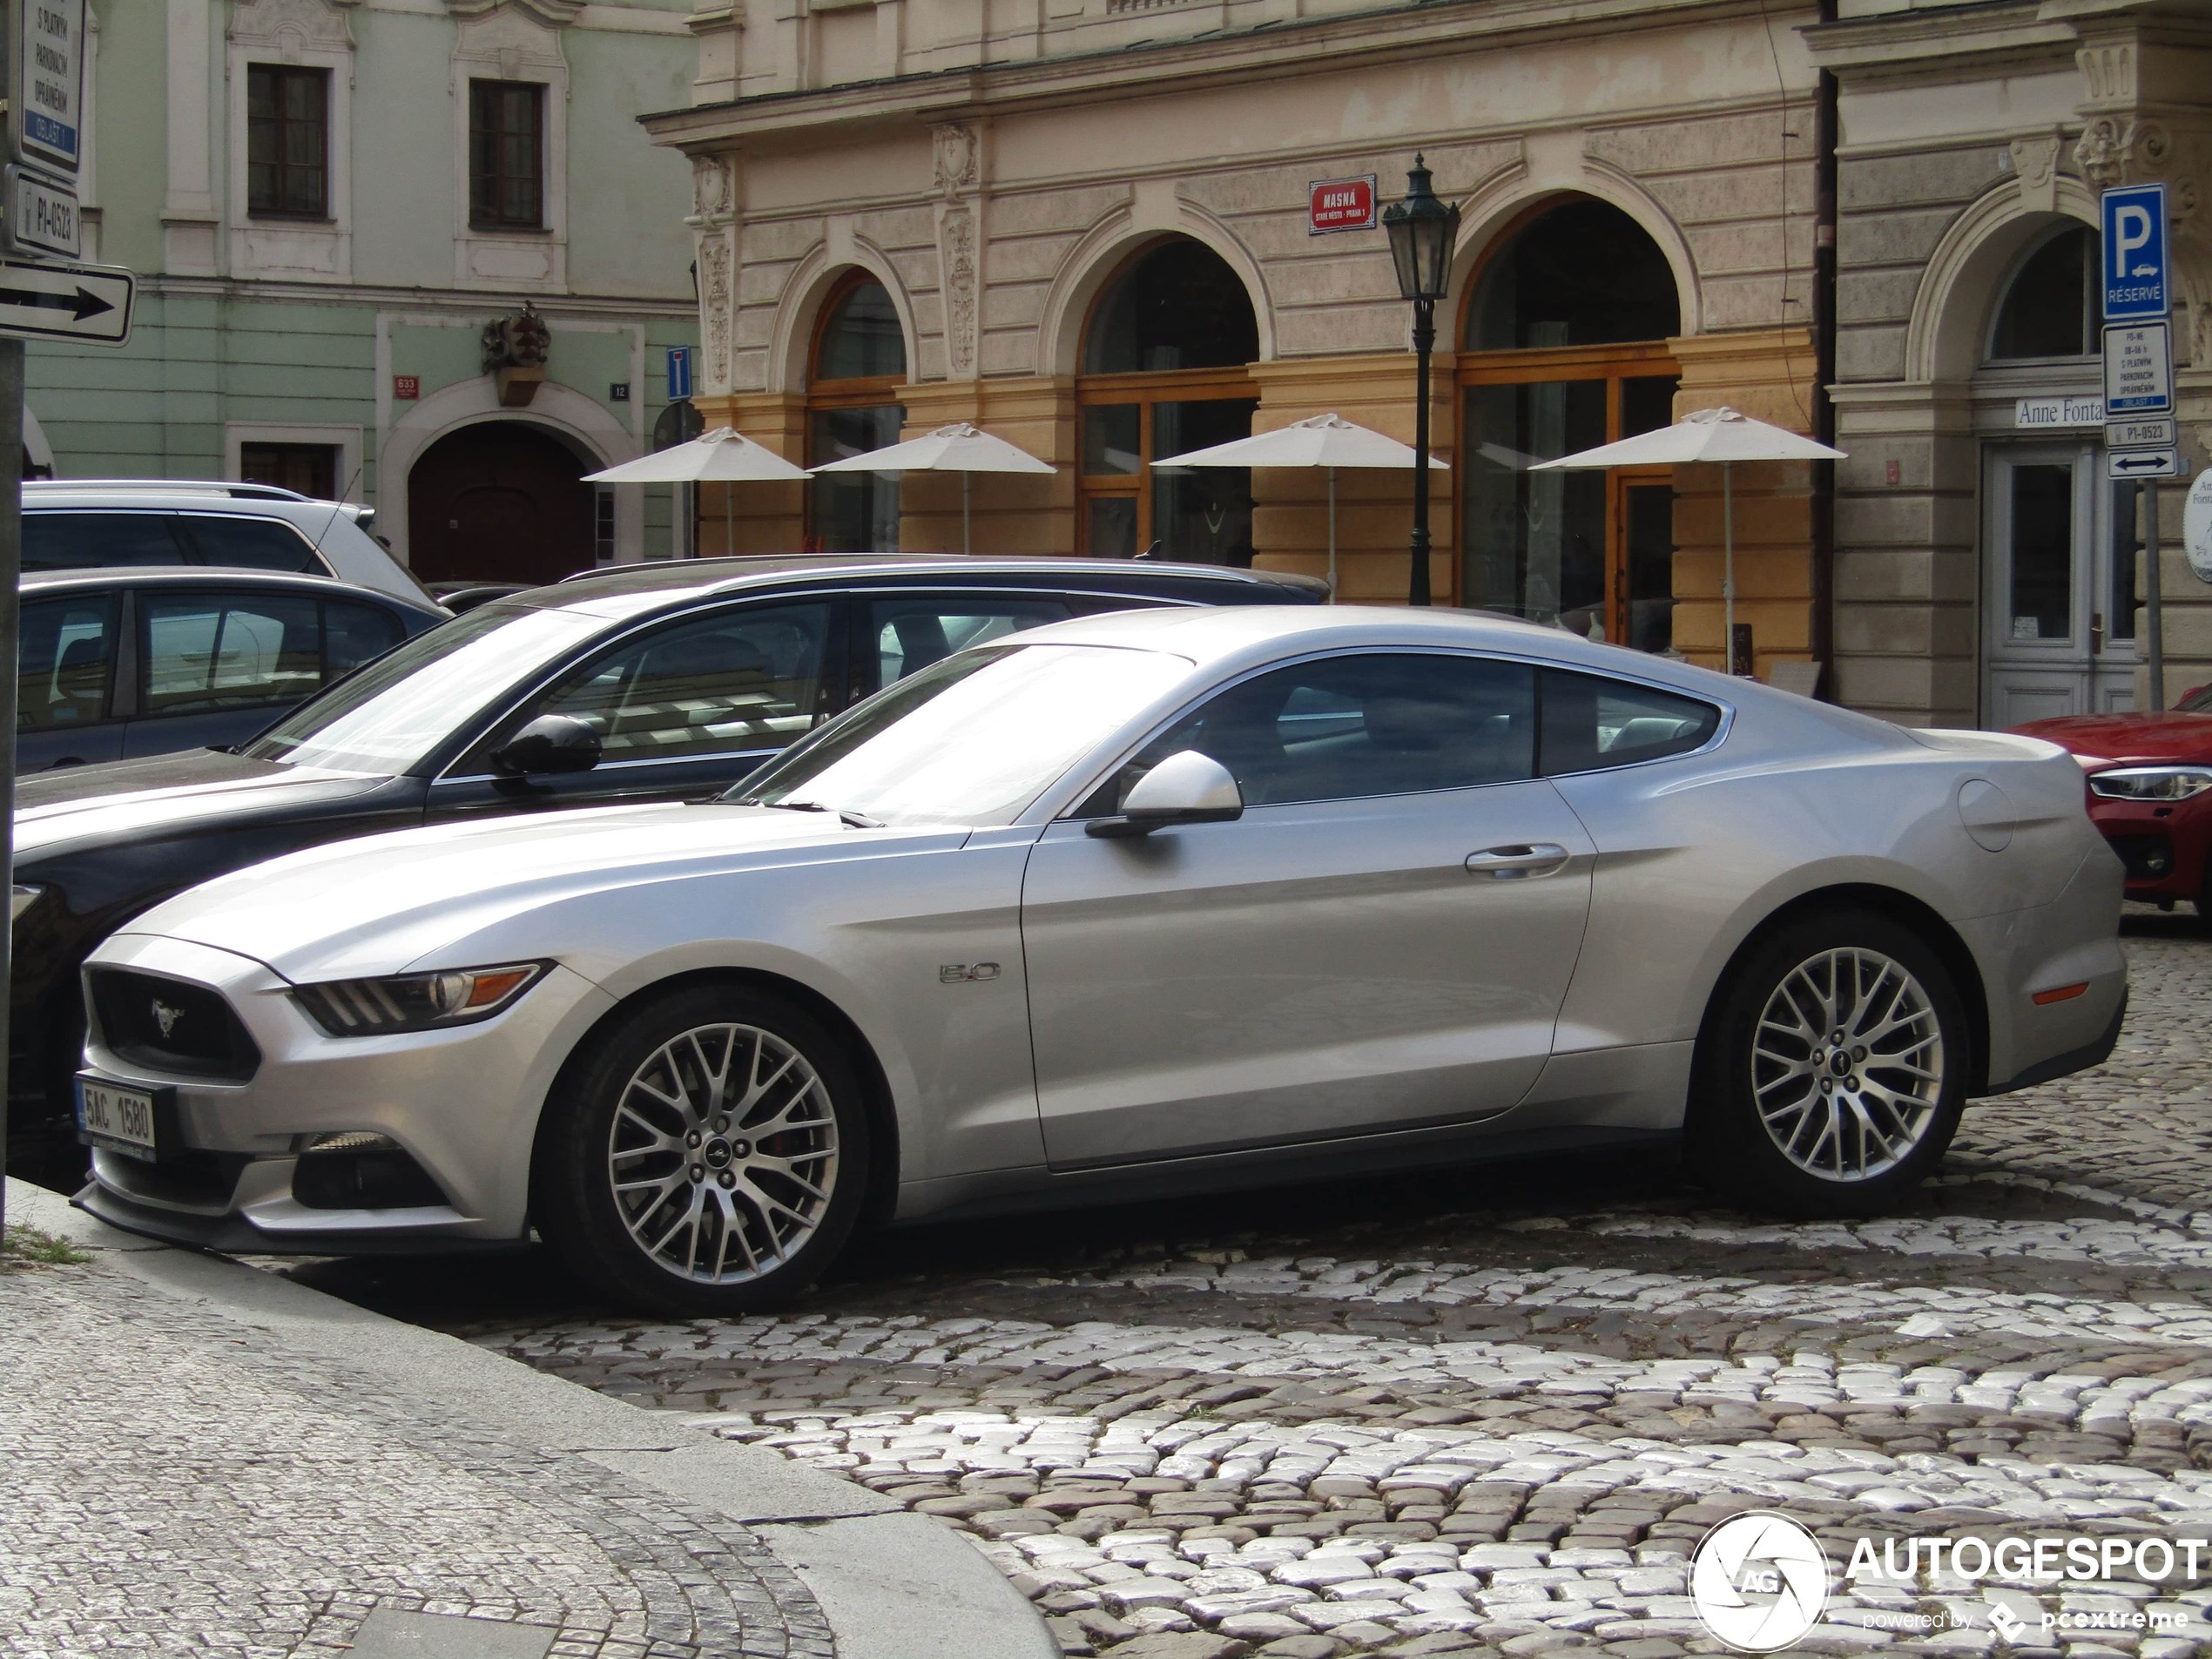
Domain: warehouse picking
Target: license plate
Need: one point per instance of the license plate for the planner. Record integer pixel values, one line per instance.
(118, 1119)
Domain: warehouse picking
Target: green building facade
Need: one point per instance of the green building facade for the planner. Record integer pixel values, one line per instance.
(414, 252)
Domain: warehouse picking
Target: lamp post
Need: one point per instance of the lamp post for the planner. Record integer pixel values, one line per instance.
(1422, 232)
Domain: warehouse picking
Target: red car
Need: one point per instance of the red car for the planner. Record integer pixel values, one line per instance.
(2150, 792)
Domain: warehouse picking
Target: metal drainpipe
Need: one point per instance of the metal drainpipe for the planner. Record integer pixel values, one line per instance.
(1824, 349)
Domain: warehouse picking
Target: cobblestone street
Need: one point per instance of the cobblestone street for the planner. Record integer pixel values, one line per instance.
(1495, 1409)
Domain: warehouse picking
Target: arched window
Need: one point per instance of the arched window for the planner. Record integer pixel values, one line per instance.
(858, 363)
(1164, 372)
(1565, 348)
(2046, 310)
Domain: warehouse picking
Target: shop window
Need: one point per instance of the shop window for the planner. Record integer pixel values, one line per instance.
(1165, 371)
(1565, 334)
(287, 142)
(857, 365)
(2047, 308)
(304, 468)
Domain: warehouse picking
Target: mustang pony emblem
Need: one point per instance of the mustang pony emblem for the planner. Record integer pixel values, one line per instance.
(166, 1017)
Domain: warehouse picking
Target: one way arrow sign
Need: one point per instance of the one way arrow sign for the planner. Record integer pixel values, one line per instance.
(90, 303)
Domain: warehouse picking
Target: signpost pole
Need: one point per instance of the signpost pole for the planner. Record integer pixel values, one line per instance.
(10, 568)
(2154, 619)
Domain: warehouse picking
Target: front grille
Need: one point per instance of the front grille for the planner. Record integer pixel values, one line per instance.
(2149, 858)
(172, 1026)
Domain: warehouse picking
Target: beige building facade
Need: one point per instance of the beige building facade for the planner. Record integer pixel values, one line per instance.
(1986, 570)
(1084, 226)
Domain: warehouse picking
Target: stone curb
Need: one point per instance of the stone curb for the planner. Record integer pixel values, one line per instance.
(893, 1584)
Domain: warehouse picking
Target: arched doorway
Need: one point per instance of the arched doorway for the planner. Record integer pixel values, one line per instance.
(858, 363)
(1563, 348)
(2059, 541)
(500, 501)
(1165, 361)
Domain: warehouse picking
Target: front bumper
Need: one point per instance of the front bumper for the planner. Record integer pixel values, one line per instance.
(2164, 844)
(463, 1104)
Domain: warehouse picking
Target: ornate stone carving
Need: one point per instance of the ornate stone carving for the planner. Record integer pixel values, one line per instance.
(2035, 163)
(2103, 151)
(716, 303)
(713, 190)
(294, 23)
(955, 157)
(956, 241)
(554, 14)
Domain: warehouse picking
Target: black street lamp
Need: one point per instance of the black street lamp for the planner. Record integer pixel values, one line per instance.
(1422, 232)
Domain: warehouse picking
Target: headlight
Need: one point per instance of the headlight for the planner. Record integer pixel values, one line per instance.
(25, 897)
(2151, 783)
(375, 1007)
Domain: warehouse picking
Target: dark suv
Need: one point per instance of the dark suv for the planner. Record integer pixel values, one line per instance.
(647, 683)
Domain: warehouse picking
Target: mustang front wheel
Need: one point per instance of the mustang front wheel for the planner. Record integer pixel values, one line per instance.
(708, 1155)
(1831, 1078)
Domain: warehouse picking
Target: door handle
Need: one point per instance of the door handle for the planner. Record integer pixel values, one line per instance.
(1519, 860)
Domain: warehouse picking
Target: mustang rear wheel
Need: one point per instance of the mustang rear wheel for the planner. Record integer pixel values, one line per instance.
(708, 1156)
(1831, 1078)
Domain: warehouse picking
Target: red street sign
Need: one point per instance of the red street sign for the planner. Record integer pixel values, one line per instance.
(1340, 204)
(407, 386)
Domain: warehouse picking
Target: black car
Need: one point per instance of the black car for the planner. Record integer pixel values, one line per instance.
(649, 683)
(115, 663)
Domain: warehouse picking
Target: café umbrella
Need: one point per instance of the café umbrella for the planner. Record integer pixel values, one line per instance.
(1325, 440)
(1720, 437)
(959, 448)
(723, 456)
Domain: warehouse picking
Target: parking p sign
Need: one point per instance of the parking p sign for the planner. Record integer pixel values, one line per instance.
(2135, 252)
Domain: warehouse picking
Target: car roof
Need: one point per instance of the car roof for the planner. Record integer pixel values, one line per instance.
(1212, 637)
(102, 576)
(630, 589)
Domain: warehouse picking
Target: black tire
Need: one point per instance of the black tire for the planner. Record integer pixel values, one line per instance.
(1881, 1122)
(713, 1220)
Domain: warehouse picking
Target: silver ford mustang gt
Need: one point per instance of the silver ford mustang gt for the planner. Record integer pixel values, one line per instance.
(1157, 901)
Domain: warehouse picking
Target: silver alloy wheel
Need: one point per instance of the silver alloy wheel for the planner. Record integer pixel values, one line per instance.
(1847, 1067)
(723, 1153)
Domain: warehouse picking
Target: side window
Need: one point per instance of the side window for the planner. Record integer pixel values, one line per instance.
(84, 541)
(1591, 723)
(205, 651)
(907, 634)
(66, 657)
(735, 681)
(354, 633)
(252, 544)
(1343, 727)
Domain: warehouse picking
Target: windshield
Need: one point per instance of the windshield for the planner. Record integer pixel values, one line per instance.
(2197, 702)
(404, 704)
(972, 740)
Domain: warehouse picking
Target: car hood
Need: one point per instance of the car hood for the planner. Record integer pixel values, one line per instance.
(385, 903)
(124, 798)
(2168, 737)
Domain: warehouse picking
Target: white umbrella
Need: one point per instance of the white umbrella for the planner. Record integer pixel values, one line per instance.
(959, 448)
(723, 456)
(1724, 436)
(1326, 440)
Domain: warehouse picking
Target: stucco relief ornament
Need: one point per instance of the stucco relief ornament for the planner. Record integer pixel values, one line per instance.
(2104, 152)
(960, 292)
(2033, 159)
(710, 188)
(714, 300)
(956, 157)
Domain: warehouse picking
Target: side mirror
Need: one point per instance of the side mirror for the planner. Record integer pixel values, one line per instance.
(550, 743)
(1185, 788)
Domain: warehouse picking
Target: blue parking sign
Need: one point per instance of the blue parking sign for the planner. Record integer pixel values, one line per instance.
(679, 372)
(2135, 252)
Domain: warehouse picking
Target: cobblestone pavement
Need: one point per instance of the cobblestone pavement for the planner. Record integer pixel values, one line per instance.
(173, 1484)
(1496, 1410)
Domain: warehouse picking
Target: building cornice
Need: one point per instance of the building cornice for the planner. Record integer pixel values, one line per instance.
(479, 302)
(1925, 43)
(1286, 49)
